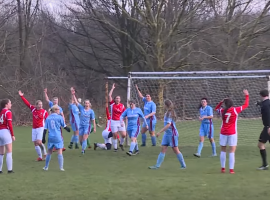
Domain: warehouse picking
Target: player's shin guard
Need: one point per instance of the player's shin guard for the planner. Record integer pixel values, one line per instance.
(38, 150)
(222, 159)
(181, 160)
(115, 143)
(84, 145)
(200, 148)
(122, 140)
(144, 139)
(47, 160)
(231, 160)
(1, 162)
(9, 161)
(61, 161)
(132, 146)
(213, 144)
(153, 139)
(136, 147)
(160, 159)
(263, 155)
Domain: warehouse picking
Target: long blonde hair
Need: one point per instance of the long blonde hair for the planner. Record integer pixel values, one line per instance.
(170, 110)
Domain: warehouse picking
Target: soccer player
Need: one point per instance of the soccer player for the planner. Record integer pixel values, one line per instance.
(170, 137)
(74, 120)
(39, 117)
(117, 109)
(6, 135)
(87, 115)
(133, 115)
(207, 127)
(55, 102)
(53, 124)
(149, 113)
(228, 133)
(265, 134)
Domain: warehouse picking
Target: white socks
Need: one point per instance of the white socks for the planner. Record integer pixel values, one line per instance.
(1, 162)
(231, 160)
(9, 161)
(38, 150)
(115, 143)
(223, 159)
(102, 146)
(122, 140)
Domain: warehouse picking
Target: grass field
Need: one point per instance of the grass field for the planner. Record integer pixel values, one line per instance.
(102, 175)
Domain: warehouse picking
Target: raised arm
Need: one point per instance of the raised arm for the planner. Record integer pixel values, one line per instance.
(25, 100)
(111, 92)
(219, 105)
(46, 95)
(246, 103)
(139, 92)
(74, 98)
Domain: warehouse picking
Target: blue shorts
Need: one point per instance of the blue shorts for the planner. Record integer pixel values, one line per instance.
(58, 145)
(133, 133)
(150, 123)
(170, 140)
(75, 126)
(84, 130)
(207, 129)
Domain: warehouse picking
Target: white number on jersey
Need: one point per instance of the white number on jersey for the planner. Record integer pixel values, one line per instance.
(52, 124)
(2, 119)
(228, 117)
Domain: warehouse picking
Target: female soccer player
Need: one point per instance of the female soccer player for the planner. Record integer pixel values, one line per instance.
(6, 134)
(55, 102)
(170, 137)
(207, 127)
(117, 109)
(39, 117)
(149, 113)
(53, 124)
(133, 127)
(74, 120)
(87, 115)
(228, 133)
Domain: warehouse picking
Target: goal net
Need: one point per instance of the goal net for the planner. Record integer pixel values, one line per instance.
(185, 90)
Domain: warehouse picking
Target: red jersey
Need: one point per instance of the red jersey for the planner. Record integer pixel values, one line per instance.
(229, 121)
(6, 120)
(116, 110)
(39, 116)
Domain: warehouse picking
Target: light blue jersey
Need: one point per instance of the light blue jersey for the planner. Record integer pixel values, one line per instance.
(74, 117)
(53, 124)
(170, 137)
(149, 107)
(207, 111)
(206, 128)
(51, 105)
(86, 116)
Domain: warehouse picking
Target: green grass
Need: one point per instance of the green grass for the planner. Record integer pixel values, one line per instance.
(108, 175)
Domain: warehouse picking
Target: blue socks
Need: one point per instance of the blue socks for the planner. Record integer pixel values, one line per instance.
(200, 148)
(132, 146)
(60, 161)
(153, 138)
(76, 139)
(137, 147)
(213, 144)
(47, 161)
(84, 144)
(144, 138)
(181, 160)
(72, 139)
(160, 159)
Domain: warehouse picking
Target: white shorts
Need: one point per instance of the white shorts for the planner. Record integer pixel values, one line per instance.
(116, 126)
(5, 137)
(105, 135)
(228, 140)
(37, 134)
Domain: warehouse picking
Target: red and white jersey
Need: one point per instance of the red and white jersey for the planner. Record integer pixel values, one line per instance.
(39, 116)
(116, 110)
(6, 120)
(229, 119)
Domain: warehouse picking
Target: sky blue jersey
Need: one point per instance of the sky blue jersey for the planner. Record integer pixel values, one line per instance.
(73, 113)
(53, 124)
(172, 129)
(133, 116)
(149, 107)
(86, 116)
(51, 105)
(206, 111)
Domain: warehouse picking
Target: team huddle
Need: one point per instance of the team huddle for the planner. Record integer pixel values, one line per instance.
(82, 121)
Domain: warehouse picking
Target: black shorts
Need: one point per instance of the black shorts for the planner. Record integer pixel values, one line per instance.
(264, 137)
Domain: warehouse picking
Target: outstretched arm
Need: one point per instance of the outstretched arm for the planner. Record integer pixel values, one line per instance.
(219, 105)
(111, 92)
(75, 99)
(139, 92)
(246, 103)
(46, 95)
(25, 100)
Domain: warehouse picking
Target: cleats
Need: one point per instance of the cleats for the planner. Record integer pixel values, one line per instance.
(232, 171)
(45, 168)
(197, 155)
(136, 153)
(115, 150)
(183, 167)
(153, 167)
(83, 152)
(1, 172)
(95, 146)
(122, 147)
(62, 170)
(10, 172)
(70, 146)
(39, 159)
(213, 155)
(143, 145)
(263, 167)
(64, 149)
(76, 146)
(129, 153)
(223, 170)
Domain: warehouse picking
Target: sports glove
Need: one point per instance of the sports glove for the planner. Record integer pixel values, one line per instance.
(67, 129)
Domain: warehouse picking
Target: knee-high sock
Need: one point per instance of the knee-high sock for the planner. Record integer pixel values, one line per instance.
(137, 147)
(43, 149)
(1, 162)
(153, 139)
(223, 159)
(263, 155)
(38, 150)
(61, 161)
(76, 139)
(72, 139)
(122, 140)
(9, 161)
(160, 159)
(132, 146)
(181, 159)
(231, 160)
(47, 161)
(115, 143)
(144, 138)
(200, 148)
(84, 144)
(213, 144)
